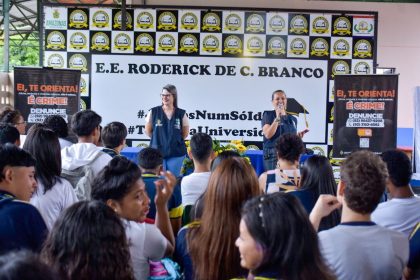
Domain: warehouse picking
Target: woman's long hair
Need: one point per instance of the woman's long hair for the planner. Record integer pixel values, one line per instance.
(212, 244)
(88, 241)
(317, 176)
(280, 225)
(42, 143)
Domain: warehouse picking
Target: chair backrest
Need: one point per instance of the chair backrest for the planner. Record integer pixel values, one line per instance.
(414, 259)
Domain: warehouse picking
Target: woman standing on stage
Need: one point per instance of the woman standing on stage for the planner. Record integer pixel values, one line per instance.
(168, 126)
(275, 123)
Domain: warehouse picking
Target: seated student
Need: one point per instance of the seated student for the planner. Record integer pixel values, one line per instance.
(88, 242)
(210, 243)
(113, 138)
(193, 185)
(286, 176)
(358, 248)
(316, 178)
(84, 159)
(402, 212)
(24, 265)
(150, 162)
(13, 117)
(53, 193)
(57, 124)
(281, 248)
(120, 186)
(21, 225)
(413, 267)
(9, 134)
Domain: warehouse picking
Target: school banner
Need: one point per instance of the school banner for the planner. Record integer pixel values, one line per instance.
(365, 110)
(40, 92)
(224, 62)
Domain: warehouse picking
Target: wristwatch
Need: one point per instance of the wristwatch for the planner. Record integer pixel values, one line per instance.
(277, 119)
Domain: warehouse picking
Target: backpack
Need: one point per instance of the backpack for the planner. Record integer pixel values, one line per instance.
(81, 179)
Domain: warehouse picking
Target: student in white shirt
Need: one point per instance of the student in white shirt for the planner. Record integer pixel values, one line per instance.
(120, 186)
(53, 194)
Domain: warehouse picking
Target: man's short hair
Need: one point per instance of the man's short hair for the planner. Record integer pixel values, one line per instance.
(201, 146)
(83, 123)
(399, 167)
(11, 155)
(150, 158)
(8, 133)
(57, 124)
(364, 175)
(113, 134)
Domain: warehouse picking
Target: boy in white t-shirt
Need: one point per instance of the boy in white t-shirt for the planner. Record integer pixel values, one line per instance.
(402, 212)
(193, 185)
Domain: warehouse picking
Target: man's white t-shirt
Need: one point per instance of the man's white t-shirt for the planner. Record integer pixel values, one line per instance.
(192, 186)
(400, 214)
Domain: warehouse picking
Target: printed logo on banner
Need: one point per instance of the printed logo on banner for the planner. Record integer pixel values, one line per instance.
(320, 47)
(84, 89)
(255, 45)
(331, 118)
(276, 45)
(55, 60)
(78, 62)
(363, 26)
(188, 44)
(361, 67)
(341, 26)
(233, 22)
(55, 18)
(145, 43)
(82, 105)
(78, 18)
(167, 43)
(189, 21)
(255, 23)
(167, 21)
(100, 42)
(145, 20)
(341, 48)
(298, 47)
(210, 44)
(320, 26)
(211, 22)
(101, 19)
(78, 41)
(232, 45)
(122, 42)
(340, 67)
(277, 23)
(362, 49)
(56, 41)
(331, 90)
(118, 20)
(320, 150)
(330, 134)
(298, 25)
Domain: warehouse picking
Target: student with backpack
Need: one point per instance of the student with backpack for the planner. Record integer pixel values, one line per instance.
(82, 162)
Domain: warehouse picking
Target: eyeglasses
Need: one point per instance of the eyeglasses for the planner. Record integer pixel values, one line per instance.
(165, 95)
(24, 122)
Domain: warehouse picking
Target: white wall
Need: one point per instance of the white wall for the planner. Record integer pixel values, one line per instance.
(398, 37)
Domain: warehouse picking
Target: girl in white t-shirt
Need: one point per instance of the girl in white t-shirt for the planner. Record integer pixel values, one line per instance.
(120, 186)
(53, 194)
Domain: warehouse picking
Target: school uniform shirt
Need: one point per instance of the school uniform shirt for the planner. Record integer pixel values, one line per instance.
(21, 225)
(192, 186)
(51, 203)
(145, 242)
